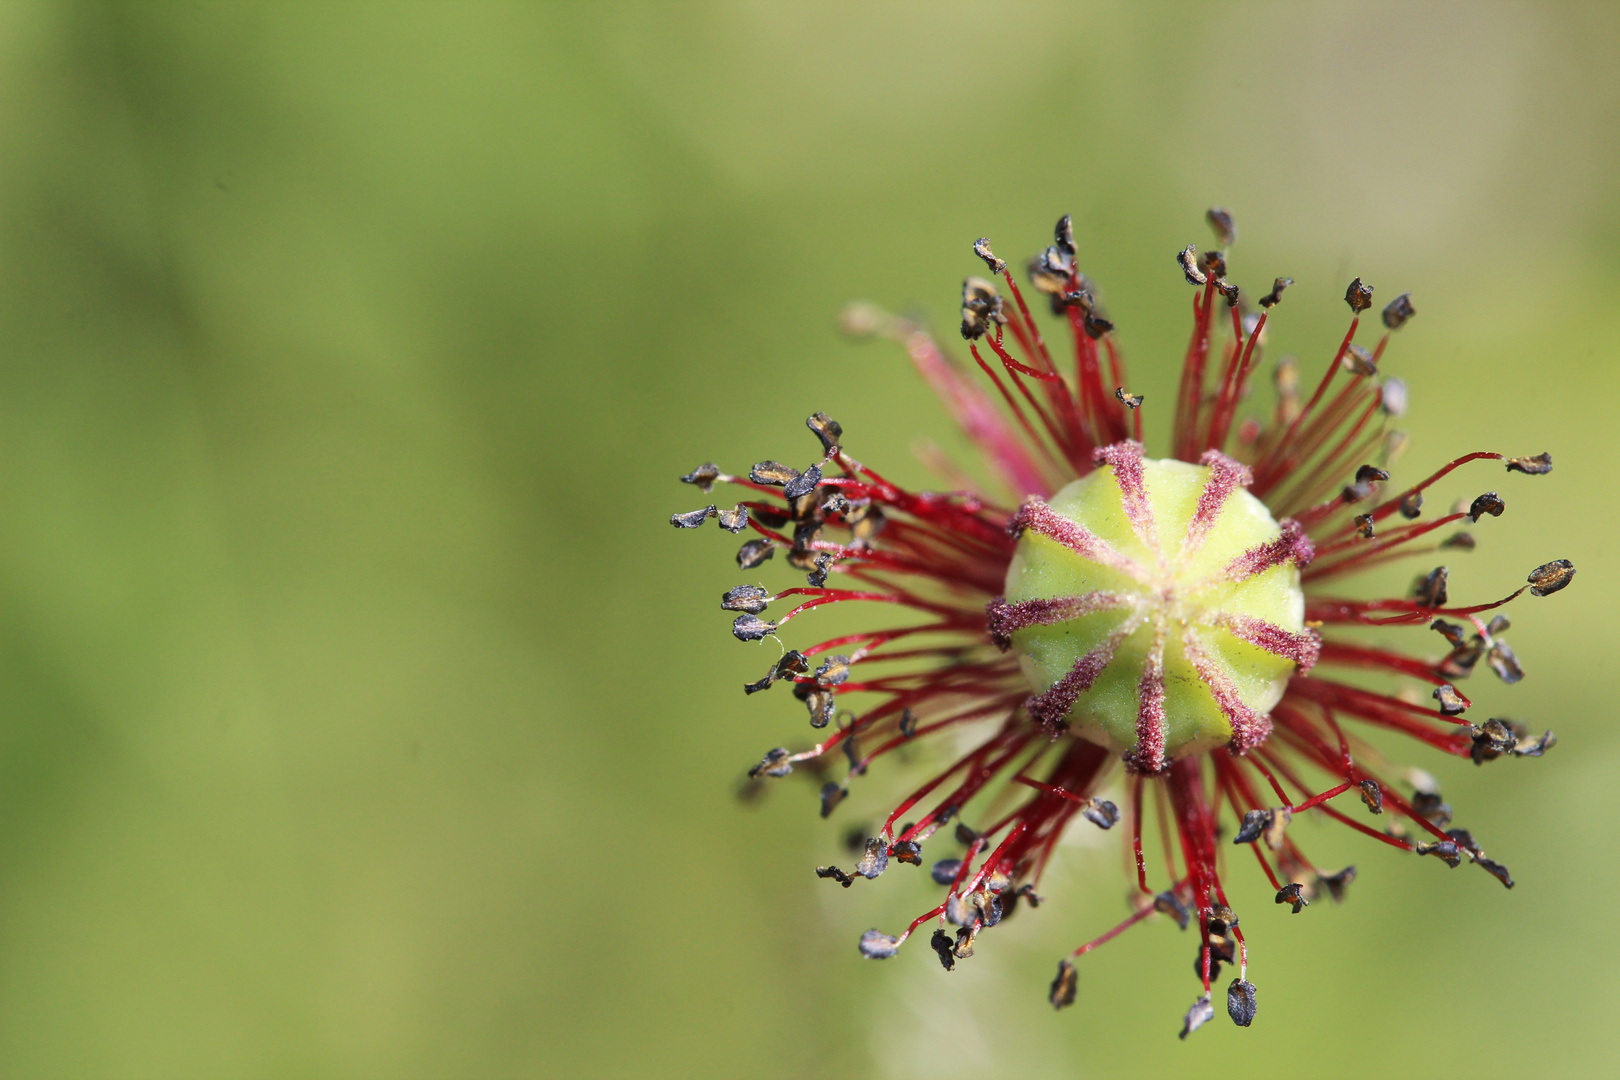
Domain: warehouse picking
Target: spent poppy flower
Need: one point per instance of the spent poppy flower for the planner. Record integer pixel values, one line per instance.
(1177, 618)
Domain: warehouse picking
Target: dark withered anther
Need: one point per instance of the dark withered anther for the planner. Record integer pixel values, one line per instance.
(1336, 884)
(1201, 1013)
(1101, 813)
(1220, 952)
(1254, 824)
(1492, 739)
(981, 308)
(867, 528)
(1504, 662)
(875, 860)
(793, 662)
(1535, 466)
(1228, 291)
(981, 248)
(1430, 590)
(1221, 919)
(1548, 578)
(1489, 503)
(1188, 259)
(759, 684)
(734, 520)
(775, 763)
(1064, 985)
(1432, 808)
(1293, 893)
(803, 484)
(944, 871)
(1445, 850)
(818, 577)
(833, 672)
(839, 876)
(1398, 310)
(944, 948)
(1027, 891)
(1130, 401)
(1358, 361)
(1168, 903)
(1213, 264)
(1368, 474)
(907, 851)
(1372, 795)
(965, 833)
(1364, 525)
(821, 704)
(1535, 747)
(1452, 632)
(828, 430)
(852, 753)
(1358, 296)
(704, 476)
(1411, 505)
(1096, 326)
(1274, 297)
(964, 941)
(749, 598)
(878, 946)
(1050, 272)
(1465, 840)
(751, 628)
(1496, 870)
(832, 794)
(1460, 541)
(1240, 1003)
(1451, 703)
(1063, 235)
(1220, 219)
(772, 517)
(692, 519)
(908, 723)
(1459, 663)
(772, 472)
(1354, 493)
(753, 553)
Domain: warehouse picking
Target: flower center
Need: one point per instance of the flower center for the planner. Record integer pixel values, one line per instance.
(1155, 607)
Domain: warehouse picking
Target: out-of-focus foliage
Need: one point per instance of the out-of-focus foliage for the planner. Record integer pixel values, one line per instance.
(360, 714)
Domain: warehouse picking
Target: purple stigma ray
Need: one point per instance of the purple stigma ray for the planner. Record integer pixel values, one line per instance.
(1037, 515)
(1292, 546)
(1052, 707)
(1303, 649)
(1005, 619)
(1249, 729)
(1148, 754)
(1126, 460)
(1225, 477)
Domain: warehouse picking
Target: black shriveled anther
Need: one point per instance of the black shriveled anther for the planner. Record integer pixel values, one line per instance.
(1220, 952)
(803, 484)
(981, 308)
(1451, 703)
(704, 477)
(1538, 465)
(1220, 219)
(1240, 1003)
(852, 753)
(751, 628)
(1229, 291)
(944, 871)
(734, 520)
(1460, 541)
(981, 248)
(1274, 297)
(1358, 361)
(1430, 589)
(1101, 813)
(749, 598)
(1452, 632)
(1336, 884)
(759, 684)
(754, 553)
(1129, 400)
(1254, 824)
(1432, 808)
(1398, 310)
(1535, 747)
(1548, 578)
(1063, 235)
(1411, 505)
(1050, 272)
(1189, 266)
(1504, 662)
(875, 860)
(828, 430)
(1368, 474)
(1489, 503)
(907, 851)
(908, 723)
(1446, 850)
(1096, 326)
(821, 704)
(692, 519)
(1221, 919)
(944, 948)
(1499, 624)
(1364, 525)
(775, 763)
(1201, 1013)
(772, 472)
(1465, 840)
(1496, 870)
(1372, 795)
(818, 577)
(846, 881)
(833, 671)
(1027, 891)
(1358, 296)
(865, 529)
(878, 946)
(1492, 739)
(1064, 985)
(1293, 893)
(1168, 903)
(832, 793)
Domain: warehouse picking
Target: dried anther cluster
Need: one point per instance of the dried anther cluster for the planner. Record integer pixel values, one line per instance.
(1175, 617)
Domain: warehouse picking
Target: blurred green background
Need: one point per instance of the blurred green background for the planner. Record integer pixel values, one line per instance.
(362, 716)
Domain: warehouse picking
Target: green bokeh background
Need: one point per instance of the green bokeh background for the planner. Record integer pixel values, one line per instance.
(362, 715)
